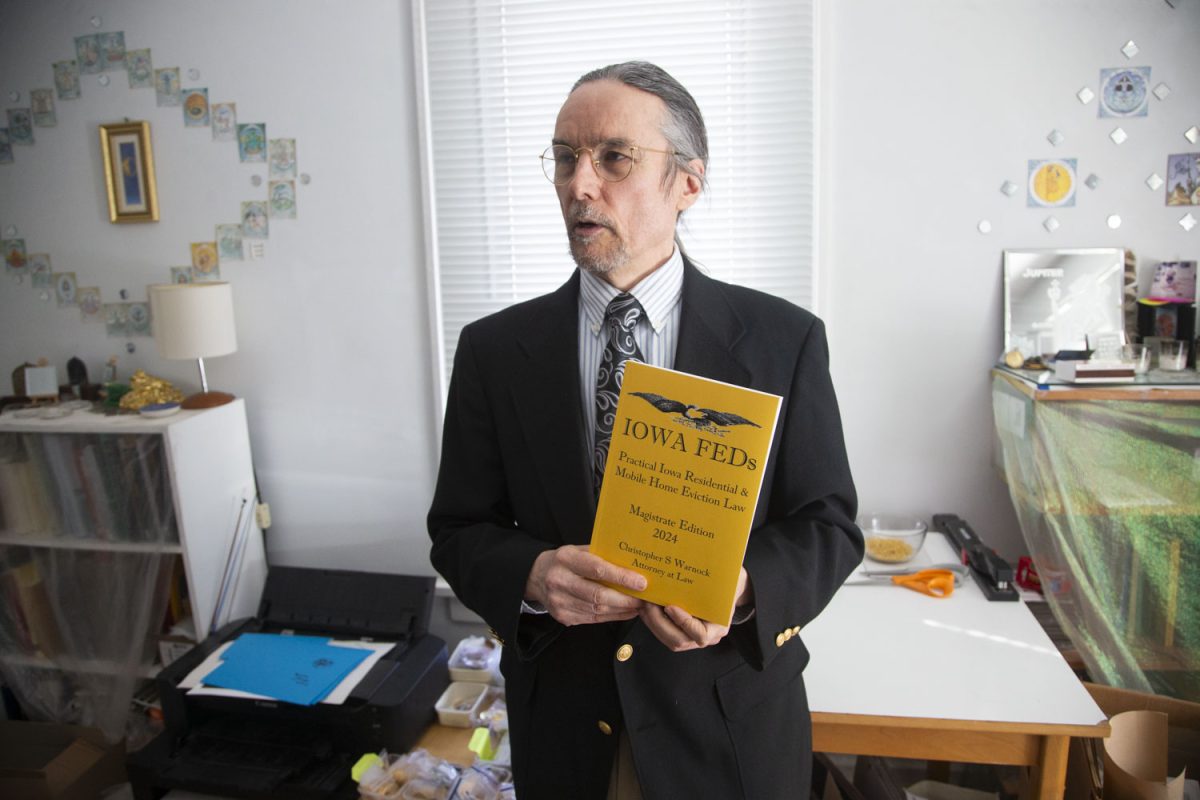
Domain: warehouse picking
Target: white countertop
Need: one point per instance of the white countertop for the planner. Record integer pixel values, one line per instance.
(883, 650)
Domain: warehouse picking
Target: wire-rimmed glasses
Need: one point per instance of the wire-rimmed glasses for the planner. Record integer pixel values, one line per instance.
(613, 162)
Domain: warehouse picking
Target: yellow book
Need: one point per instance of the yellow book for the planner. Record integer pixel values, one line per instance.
(681, 483)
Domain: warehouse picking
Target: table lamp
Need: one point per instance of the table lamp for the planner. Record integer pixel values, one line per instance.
(195, 320)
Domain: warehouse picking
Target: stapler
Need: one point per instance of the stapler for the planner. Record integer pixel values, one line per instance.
(993, 574)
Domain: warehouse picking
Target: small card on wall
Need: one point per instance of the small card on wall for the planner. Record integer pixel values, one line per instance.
(283, 199)
(140, 69)
(254, 220)
(166, 86)
(195, 108)
(66, 79)
(252, 142)
(224, 122)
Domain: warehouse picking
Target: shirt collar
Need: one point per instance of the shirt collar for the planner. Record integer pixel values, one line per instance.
(658, 292)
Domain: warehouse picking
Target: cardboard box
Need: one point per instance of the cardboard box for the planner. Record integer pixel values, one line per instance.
(45, 761)
(1084, 778)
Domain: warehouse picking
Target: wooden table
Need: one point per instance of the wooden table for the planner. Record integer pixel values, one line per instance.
(897, 673)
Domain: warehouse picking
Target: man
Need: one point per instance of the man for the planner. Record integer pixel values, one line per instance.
(608, 695)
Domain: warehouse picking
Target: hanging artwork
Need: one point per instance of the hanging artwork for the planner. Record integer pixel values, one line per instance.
(1051, 183)
(252, 141)
(195, 108)
(66, 80)
(166, 86)
(129, 172)
(1183, 179)
(1124, 92)
(140, 69)
(224, 122)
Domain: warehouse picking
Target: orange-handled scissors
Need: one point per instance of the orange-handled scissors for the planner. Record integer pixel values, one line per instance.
(933, 582)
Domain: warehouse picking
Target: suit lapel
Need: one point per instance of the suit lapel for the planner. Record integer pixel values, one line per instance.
(708, 331)
(545, 388)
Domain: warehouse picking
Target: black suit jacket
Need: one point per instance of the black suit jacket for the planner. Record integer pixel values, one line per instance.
(515, 479)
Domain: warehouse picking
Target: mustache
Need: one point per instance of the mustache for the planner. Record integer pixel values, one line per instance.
(581, 212)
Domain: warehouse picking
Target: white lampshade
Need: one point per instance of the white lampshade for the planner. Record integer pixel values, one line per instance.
(193, 320)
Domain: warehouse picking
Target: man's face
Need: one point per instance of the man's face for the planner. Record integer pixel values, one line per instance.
(621, 231)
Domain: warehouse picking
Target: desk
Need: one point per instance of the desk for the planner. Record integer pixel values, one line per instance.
(897, 673)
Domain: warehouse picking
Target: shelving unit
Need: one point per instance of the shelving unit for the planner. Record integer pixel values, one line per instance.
(112, 527)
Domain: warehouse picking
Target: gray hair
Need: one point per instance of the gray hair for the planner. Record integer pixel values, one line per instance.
(683, 127)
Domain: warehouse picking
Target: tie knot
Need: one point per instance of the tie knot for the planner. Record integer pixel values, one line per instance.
(624, 310)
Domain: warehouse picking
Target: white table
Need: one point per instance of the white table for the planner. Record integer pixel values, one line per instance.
(897, 673)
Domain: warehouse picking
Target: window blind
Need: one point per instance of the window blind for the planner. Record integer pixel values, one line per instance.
(492, 76)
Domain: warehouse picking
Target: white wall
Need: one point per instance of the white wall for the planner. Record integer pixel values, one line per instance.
(333, 357)
(934, 105)
(931, 104)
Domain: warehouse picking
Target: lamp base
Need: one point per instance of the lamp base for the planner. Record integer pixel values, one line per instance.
(207, 400)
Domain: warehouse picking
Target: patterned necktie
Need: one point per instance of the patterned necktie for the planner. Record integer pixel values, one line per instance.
(619, 319)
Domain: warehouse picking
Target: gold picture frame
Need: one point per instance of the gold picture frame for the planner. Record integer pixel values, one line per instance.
(129, 172)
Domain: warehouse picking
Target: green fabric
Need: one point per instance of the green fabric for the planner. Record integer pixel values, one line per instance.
(1107, 493)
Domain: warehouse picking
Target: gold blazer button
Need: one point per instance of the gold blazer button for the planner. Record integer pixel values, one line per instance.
(604, 727)
(625, 652)
(779, 640)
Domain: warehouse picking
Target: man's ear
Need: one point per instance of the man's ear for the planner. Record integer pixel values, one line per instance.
(693, 185)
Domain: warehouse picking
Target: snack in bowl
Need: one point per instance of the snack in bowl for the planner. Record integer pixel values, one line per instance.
(892, 538)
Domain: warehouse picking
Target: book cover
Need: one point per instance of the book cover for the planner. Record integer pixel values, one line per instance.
(681, 484)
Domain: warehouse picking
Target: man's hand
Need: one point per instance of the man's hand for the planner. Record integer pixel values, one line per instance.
(680, 631)
(566, 582)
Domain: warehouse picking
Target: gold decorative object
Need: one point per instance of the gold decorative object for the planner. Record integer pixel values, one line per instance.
(146, 389)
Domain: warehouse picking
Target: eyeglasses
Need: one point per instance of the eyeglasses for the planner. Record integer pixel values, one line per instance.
(612, 162)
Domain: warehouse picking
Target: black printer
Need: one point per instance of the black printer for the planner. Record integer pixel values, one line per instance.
(269, 749)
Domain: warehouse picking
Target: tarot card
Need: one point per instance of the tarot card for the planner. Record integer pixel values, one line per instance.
(87, 53)
(20, 126)
(89, 302)
(116, 319)
(283, 199)
(181, 275)
(204, 260)
(112, 50)
(140, 69)
(66, 79)
(41, 102)
(39, 270)
(64, 288)
(6, 153)
(224, 122)
(283, 158)
(252, 141)
(166, 86)
(1183, 179)
(138, 319)
(195, 108)
(229, 242)
(14, 255)
(1124, 92)
(254, 220)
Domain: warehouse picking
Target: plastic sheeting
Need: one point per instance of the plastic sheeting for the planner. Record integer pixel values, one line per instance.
(1107, 492)
(88, 546)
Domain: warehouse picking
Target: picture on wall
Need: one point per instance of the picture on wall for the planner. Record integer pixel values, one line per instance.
(1183, 179)
(129, 172)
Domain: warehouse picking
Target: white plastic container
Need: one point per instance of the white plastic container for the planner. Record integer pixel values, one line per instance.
(476, 660)
(459, 704)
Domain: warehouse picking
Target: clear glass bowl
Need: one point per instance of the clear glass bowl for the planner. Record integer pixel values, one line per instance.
(892, 538)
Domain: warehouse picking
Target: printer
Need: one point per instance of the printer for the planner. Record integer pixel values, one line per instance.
(270, 749)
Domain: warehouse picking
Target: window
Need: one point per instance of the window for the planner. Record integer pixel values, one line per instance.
(492, 75)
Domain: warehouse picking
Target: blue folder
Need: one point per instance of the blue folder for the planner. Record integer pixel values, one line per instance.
(296, 669)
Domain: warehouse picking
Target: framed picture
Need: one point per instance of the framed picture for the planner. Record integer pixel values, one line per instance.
(129, 172)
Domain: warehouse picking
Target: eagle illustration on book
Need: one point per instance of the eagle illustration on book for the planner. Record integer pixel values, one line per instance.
(705, 419)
